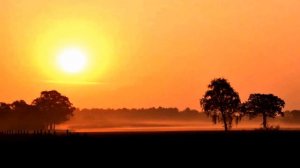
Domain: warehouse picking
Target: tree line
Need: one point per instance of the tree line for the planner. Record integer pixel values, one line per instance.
(46, 111)
(157, 113)
(222, 103)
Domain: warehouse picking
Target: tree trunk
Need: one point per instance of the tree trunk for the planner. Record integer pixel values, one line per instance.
(224, 121)
(264, 121)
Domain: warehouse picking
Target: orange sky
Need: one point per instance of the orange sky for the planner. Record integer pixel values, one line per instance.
(147, 53)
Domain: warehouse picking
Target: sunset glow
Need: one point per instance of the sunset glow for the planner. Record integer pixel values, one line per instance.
(149, 53)
(157, 75)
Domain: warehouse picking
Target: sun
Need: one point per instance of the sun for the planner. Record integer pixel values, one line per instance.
(72, 60)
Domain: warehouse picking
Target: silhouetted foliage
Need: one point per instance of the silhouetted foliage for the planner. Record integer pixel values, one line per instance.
(4, 108)
(221, 102)
(160, 113)
(49, 109)
(19, 116)
(55, 108)
(266, 105)
(5, 111)
(23, 113)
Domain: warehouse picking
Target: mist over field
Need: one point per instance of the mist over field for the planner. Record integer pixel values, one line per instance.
(164, 119)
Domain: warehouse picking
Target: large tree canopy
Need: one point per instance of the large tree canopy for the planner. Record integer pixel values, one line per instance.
(220, 102)
(45, 112)
(266, 105)
(54, 107)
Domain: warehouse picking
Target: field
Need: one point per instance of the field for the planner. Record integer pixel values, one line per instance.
(187, 140)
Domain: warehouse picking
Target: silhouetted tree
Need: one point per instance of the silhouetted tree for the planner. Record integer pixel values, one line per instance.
(19, 113)
(220, 102)
(4, 108)
(266, 105)
(5, 111)
(54, 107)
(24, 116)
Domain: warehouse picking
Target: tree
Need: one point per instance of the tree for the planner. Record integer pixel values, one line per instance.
(25, 116)
(5, 111)
(221, 102)
(266, 105)
(4, 108)
(20, 111)
(54, 108)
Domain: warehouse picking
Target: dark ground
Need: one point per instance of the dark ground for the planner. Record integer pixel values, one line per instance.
(151, 140)
(170, 147)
